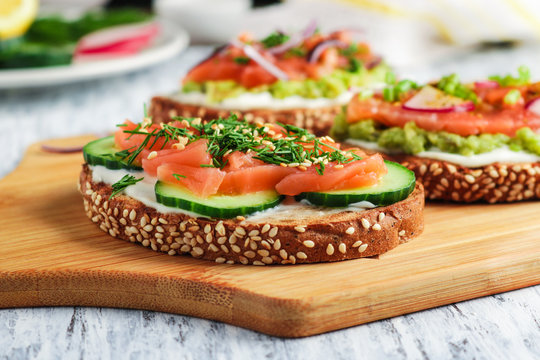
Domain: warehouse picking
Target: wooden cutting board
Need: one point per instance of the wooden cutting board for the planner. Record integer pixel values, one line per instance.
(52, 254)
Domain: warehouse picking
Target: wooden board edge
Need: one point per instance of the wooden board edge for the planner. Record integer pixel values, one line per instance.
(290, 318)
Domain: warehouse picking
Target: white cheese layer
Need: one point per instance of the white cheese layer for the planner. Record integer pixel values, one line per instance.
(500, 155)
(143, 191)
(263, 100)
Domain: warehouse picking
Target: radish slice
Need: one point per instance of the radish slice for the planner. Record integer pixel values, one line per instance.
(317, 51)
(486, 84)
(430, 99)
(117, 41)
(61, 150)
(296, 39)
(534, 106)
(262, 61)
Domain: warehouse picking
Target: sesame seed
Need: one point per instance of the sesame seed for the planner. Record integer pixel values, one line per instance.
(148, 227)
(235, 248)
(300, 229)
(249, 254)
(220, 228)
(273, 232)
(253, 233)
(243, 260)
(209, 238)
(267, 260)
(350, 231)
(197, 250)
(225, 249)
(220, 260)
(240, 218)
(330, 249)
(188, 235)
(357, 244)
(163, 221)
(256, 238)
(132, 215)
(362, 248)
(401, 233)
(266, 245)
(263, 252)
(376, 227)
(365, 223)
(469, 178)
(277, 244)
(207, 228)
(185, 248)
(213, 247)
(283, 254)
(265, 228)
(292, 259)
(152, 155)
(240, 230)
(339, 166)
(232, 239)
(309, 243)
(259, 263)
(342, 248)
(221, 240)
(253, 245)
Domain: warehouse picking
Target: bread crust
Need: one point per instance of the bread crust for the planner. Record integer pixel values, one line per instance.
(494, 183)
(340, 236)
(316, 120)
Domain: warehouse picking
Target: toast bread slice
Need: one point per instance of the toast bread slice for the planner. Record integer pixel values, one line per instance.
(316, 120)
(308, 237)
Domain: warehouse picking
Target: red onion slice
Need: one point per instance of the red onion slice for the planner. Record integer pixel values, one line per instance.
(259, 59)
(534, 106)
(486, 84)
(317, 51)
(61, 149)
(295, 39)
(373, 63)
(430, 99)
(117, 40)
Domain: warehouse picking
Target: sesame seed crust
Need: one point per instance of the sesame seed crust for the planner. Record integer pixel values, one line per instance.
(316, 120)
(494, 183)
(252, 242)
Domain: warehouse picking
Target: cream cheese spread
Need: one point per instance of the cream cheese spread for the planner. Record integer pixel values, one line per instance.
(500, 155)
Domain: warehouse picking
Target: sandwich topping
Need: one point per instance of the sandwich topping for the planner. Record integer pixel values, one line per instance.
(307, 65)
(470, 124)
(225, 168)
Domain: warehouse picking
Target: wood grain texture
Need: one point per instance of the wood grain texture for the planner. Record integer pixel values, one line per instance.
(53, 255)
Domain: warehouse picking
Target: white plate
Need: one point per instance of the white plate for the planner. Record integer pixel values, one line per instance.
(171, 40)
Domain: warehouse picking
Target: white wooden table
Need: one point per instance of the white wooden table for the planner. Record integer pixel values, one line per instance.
(505, 326)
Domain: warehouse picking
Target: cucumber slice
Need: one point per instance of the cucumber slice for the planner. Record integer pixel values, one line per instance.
(103, 152)
(218, 206)
(395, 186)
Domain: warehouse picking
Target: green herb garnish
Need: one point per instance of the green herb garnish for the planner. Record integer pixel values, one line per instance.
(393, 93)
(123, 183)
(524, 76)
(452, 86)
(178, 176)
(241, 60)
(296, 147)
(274, 39)
(355, 65)
(512, 97)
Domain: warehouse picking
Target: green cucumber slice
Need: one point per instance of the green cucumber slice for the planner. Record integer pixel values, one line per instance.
(218, 206)
(103, 152)
(395, 186)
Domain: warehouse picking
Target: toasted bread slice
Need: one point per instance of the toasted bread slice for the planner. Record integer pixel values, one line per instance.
(307, 236)
(316, 120)
(494, 183)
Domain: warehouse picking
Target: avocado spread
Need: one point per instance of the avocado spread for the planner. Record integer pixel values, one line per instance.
(412, 140)
(330, 86)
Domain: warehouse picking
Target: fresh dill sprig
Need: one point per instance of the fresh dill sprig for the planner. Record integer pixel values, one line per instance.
(123, 183)
(286, 145)
(178, 176)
